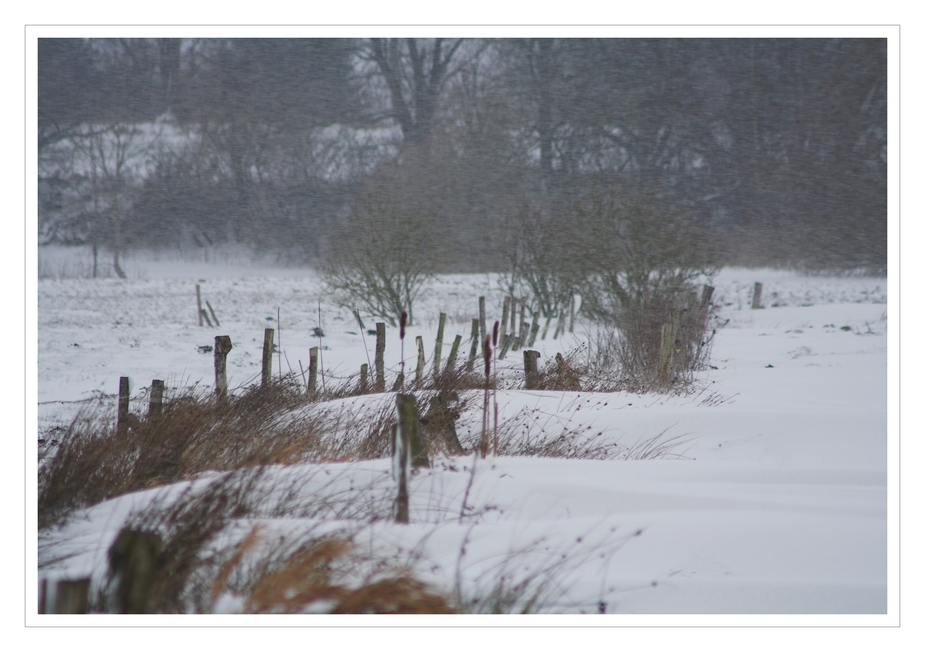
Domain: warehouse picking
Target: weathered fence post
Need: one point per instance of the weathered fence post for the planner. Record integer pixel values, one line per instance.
(411, 429)
(756, 297)
(546, 326)
(400, 458)
(380, 357)
(156, 401)
(706, 297)
(198, 305)
(364, 375)
(505, 345)
(571, 312)
(419, 372)
(407, 448)
(222, 348)
(438, 345)
(212, 312)
(312, 372)
(504, 313)
(531, 372)
(72, 596)
(482, 325)
(470, 363)
(133, 564)
(560, 327)
(122, 414)
(267, 370)
(521, 336)
(451, 361)
(534, 329)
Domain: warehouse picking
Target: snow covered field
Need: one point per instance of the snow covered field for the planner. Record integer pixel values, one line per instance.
(776, 503)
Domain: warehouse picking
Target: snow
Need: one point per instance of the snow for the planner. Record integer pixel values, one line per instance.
(775, 503)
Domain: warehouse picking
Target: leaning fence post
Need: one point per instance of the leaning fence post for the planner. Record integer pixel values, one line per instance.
(451, 361)
(198, 304)
(267, 375)
(72, 596)
(505, 345)
(438, 345)
(312, 372)
(531, 372)
(380, 357)
(756, 297)
(122, 418)
(222, 348)
(470, 363)
(156, 402)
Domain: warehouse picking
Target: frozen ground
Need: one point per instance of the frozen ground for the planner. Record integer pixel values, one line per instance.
(778, 504)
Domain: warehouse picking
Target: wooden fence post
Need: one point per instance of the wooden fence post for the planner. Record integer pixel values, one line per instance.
(198, 304)
(156, 401)
(504, 313)
(571, 318)
(756, 297)
(531, 372)
(267, 375)
(312, 372)
(534, 329)
(470, 363)
(560, 327)
(72, 596)
(407, 447)
(122, 418)
(212, 312)
(400, 458)
(133, 562)
(380, 357)
(364, 375)
(222, 349)
(419, 372)
(505, 345)
(546, 326)
(451, 361)
(411, 428)
(482, 325)
(438, 345)
(706, 297)
(521, 336)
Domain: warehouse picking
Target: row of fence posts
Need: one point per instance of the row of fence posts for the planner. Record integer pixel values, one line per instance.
(132, 557)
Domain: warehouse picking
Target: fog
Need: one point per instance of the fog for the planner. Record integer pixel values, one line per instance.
(474, 155)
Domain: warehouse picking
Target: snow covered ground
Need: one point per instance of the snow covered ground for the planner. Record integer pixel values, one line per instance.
(777, 502)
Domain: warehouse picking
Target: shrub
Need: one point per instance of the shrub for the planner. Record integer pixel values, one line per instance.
(382, 252)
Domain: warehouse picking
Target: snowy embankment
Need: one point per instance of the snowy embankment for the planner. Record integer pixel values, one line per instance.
(775, 502)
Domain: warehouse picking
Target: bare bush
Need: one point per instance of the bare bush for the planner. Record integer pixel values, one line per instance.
(383, 250)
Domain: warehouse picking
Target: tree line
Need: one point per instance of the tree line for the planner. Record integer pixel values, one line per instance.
(492, 152)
